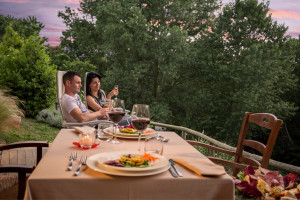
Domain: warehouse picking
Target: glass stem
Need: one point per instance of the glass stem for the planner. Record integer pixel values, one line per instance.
(115, 132)
(139, 142)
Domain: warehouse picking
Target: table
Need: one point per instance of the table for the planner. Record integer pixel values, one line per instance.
(51, 180)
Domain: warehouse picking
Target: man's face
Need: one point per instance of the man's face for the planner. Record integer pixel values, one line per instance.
(75, 85)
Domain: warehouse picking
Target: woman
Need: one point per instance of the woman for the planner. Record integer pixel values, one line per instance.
(96, 97)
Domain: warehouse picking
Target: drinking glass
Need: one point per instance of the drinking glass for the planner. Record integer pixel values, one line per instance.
(116, 112)
(116, 87)
(154, 144)
(100, 133)
(140, 119)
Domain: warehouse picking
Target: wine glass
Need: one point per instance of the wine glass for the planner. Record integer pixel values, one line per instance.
(116, 87)
(140, 119)
(116, 112)
(105, 103)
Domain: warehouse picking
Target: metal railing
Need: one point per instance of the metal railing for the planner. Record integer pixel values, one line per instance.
(185, 131)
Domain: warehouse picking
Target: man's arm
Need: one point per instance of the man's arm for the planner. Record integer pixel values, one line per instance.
(83, 117)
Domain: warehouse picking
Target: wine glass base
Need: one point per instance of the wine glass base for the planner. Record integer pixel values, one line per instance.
(114, 142)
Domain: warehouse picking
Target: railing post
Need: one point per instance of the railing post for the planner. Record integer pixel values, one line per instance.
(183, 135)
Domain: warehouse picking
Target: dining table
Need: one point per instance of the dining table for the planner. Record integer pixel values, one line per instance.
(52, 180)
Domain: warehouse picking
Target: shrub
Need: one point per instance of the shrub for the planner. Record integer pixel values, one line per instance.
(8, 108)
(51, 117)
(26, 70)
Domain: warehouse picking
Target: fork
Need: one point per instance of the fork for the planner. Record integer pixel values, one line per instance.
(82, 162)
(72, 158)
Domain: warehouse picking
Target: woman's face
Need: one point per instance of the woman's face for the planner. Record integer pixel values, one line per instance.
(95, 84)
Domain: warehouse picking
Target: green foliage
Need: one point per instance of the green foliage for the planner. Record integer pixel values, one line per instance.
(76, 65)
(31, 130)
(52, 117)
(25, 27)
(26, 70)
(234, 71)
(142, 47)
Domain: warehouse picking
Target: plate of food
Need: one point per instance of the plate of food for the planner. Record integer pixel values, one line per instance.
(127, 161)
(129, 133)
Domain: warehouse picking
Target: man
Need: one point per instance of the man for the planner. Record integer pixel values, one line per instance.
(73, 108)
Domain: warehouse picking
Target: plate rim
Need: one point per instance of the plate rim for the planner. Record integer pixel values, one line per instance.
(95, 158)
(131, 174)
(124, 135)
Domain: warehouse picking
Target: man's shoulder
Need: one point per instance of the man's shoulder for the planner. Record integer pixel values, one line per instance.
(65, 95)
(67, 98)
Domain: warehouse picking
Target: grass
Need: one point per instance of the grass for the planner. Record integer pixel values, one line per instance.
(30, 130)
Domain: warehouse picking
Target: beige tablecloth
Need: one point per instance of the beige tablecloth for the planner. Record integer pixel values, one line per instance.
(51, 180)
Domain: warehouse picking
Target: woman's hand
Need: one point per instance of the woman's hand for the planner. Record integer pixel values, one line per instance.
(115, 91)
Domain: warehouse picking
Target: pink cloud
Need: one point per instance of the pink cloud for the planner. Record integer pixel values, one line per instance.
(47, 29)
(15, 1)
(71, 1)
(293, 34)
(53, 40)
(285, 14)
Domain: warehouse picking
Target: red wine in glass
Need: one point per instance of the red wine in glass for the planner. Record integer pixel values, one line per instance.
(140, 124)
(140, 119)
(117, 117)
(116, 112)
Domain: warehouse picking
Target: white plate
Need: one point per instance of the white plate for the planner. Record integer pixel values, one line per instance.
(110, 130)
(92, 162)
(108, 156)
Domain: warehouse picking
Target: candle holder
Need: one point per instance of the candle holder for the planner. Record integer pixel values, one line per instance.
(87, 140)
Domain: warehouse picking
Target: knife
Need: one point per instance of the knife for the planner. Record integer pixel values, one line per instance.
(174, 174)
(176, 169)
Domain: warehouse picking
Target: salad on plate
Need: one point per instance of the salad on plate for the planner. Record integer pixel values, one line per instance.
(133, 161)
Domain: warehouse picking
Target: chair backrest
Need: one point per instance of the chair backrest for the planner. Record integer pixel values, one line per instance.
(265, 120)
(60, 89)
(85, 77)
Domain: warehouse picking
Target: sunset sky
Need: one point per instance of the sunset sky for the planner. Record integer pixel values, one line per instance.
(284, 11)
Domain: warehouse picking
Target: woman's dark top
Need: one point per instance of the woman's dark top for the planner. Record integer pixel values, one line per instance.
(100, 101)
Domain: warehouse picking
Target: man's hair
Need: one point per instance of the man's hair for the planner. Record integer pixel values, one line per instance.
(69, 76)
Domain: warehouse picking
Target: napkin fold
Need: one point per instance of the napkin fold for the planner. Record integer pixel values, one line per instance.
(84, 129)
(202, 167)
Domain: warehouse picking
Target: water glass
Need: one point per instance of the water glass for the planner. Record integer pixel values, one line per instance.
(154, 144)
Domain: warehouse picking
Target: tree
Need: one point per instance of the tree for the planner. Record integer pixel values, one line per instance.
(25, 27)
(143, 43)
(245, 64)
(26, 70)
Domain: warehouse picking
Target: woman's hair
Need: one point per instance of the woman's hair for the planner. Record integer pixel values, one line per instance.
(89, 79)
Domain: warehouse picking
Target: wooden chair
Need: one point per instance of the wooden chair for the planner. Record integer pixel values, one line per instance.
(22, 169)
(266, 120)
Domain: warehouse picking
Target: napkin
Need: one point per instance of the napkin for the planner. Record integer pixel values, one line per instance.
(84, 129)
(202, 167)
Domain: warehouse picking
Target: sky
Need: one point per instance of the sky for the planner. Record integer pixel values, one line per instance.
(284, 11)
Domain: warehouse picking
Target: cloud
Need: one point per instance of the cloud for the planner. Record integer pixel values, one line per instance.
(293, 34)
(53, 40)
(69, 1)
(285, 14)
(54, 29)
